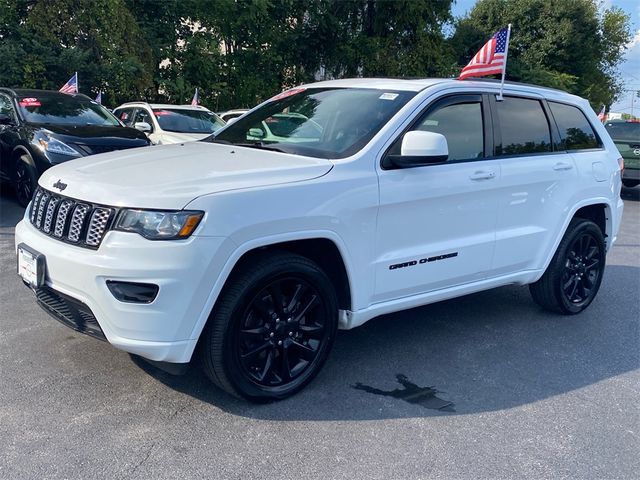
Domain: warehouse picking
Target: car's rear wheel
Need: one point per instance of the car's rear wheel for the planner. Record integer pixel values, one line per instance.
(272, 328)
(573, 277)
(26, 180)
(630, 183)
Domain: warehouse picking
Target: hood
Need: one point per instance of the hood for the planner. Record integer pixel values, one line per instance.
(91, 133)
(170, 176)
(179, 137)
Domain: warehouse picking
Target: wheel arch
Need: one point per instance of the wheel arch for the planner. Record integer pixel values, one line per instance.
(311, 245)
(18, 152)
(598, 210)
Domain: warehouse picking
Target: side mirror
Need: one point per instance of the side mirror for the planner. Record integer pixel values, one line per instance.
(420, 148)
(231, 120)
(142, 126)
(5, 119)
(256, 133)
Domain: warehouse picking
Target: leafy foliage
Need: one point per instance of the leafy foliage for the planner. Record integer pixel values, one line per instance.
(240, 52)
(564, 44)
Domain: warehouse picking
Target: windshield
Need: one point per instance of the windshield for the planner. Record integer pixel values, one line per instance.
(624, 130)
(61, 109)
(187, 121)
(325, 123)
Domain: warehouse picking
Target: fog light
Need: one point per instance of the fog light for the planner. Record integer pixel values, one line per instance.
(130, 292)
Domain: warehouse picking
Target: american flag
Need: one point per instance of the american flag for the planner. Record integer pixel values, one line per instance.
(196, 98)
(71, 86)
(99, 97)
(490, 59)
(602, 116)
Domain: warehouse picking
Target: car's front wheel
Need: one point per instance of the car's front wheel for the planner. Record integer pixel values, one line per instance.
(26, 181)
(271, 329)
(573, 277)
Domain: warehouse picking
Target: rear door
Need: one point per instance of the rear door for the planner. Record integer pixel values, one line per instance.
(8, 137)
(538, 181)
(436, 223)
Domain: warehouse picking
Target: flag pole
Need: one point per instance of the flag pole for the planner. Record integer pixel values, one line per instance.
(77, 84)
(504, 67)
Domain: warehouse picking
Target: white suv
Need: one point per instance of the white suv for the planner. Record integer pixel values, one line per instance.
(393, 194)
(165, 124)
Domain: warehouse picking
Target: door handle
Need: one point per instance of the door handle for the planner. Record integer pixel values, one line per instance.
(482, 175)
(562, 166)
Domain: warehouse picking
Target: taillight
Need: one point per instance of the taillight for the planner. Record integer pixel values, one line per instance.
(621, 164)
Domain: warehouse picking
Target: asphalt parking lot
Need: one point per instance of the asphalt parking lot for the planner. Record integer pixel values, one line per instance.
(529, 394)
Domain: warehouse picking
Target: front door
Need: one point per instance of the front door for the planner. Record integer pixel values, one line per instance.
(436, 223)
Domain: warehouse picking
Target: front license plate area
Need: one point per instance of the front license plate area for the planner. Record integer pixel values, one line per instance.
(31, 266)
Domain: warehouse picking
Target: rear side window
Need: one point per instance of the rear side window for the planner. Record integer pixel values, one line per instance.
(576, 132)
(524, 127)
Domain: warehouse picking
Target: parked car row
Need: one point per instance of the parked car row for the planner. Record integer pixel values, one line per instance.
(41, 128)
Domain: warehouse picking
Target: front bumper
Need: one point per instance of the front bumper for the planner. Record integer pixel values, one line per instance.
(184, 270)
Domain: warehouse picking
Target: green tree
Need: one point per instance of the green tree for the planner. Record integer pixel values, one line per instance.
(565, 44)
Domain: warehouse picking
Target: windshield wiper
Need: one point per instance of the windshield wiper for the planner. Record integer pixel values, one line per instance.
(259, 145)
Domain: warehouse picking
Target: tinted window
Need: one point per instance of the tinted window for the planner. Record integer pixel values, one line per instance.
(576, 132)
(624, 131)
(187, 121)
(461, 124)
(524, 127)
(62, 109)
(5, 106)
(325, 123)
(125, 115)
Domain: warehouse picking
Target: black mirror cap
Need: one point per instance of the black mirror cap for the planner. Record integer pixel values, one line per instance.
(5, 119)
(391, 162)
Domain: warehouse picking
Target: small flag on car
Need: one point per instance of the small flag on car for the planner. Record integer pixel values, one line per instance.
(71, 86)
(602, 116)
(196, 98)
(491, 58)
(99, 97)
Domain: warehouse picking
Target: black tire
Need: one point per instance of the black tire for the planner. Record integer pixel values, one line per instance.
(630, 183)
(260, 348)
(573, 277)
(26, 180)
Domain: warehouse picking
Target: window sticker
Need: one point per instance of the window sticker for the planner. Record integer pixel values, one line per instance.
(388, 96)
(160, 113)
(287, 93)
(29, 102)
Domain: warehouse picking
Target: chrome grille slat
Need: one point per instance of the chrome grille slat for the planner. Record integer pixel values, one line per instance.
(97, 226)
(77, 222)
(69, 220)
(34, 205)
(43, 203)
(61, 219)
(51, 208)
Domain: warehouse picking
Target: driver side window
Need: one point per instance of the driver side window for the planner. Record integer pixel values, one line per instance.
(460, 123)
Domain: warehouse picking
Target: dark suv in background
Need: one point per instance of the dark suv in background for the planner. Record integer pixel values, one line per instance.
(626, 136)
(41, 128)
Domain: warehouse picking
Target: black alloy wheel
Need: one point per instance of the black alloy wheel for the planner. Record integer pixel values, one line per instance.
(574, 275)
(25, 182)
(582, 269)
(272, 327)
(281, 332)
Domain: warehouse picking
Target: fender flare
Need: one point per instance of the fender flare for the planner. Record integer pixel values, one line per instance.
(260, 242)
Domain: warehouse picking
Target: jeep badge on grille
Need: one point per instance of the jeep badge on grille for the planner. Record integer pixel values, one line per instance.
(59, 185)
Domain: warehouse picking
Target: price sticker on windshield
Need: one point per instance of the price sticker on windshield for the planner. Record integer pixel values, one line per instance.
(29, 102)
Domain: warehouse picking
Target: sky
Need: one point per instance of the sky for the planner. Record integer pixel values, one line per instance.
(629, 69)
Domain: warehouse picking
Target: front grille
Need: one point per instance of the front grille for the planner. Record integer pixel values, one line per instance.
(69, 220)
(69, 311)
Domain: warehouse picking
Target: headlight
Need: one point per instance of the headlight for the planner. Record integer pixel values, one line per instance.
(157, 225)
(54, 145)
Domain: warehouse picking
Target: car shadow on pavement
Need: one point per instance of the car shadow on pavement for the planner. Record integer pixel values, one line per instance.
(630, 193)
(485, 352)
(10, 212)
